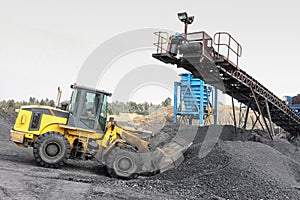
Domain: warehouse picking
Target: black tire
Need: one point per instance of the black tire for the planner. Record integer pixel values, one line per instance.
(52, 149)
(123, 164)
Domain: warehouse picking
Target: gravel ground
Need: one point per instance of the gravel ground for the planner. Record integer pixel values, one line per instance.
(234, 165)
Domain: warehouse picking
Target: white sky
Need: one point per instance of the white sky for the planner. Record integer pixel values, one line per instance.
(43, 44)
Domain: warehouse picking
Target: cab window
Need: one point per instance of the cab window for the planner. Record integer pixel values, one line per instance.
(74, 99)
(90, 106)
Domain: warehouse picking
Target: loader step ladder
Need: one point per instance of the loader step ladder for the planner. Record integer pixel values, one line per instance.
(217, 69)
(79, 150)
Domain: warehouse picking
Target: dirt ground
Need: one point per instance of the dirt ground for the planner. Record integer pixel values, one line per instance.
(242, 165)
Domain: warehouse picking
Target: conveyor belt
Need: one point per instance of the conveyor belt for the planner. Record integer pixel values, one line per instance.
(204, 62)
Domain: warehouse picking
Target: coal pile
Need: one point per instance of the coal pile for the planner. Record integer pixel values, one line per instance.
(241, 165)
(7, 120)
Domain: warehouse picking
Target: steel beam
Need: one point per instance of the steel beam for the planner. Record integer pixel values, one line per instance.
(261, 113)
(270, 119)
(233, 111)
(247, 113)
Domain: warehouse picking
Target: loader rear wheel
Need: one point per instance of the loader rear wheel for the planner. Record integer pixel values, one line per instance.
(51, 149)
(123, 164)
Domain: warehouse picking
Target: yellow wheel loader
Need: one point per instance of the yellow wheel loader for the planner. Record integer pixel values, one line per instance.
(81, 131)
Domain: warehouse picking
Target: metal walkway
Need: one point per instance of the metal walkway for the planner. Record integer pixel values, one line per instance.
(195, 53)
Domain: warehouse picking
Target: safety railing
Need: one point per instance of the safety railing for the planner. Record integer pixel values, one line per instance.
(202, 37)
(162, 41)
(231, 44)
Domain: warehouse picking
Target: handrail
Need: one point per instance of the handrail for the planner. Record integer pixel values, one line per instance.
(162, 39)
(237, 52)
(204, 37)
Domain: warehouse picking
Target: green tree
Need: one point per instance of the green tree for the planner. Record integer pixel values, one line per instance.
(42, 102)
(51, 103)
(166, 102)
(11, 104)
(146, 106)
(133, 107)
(32, 100)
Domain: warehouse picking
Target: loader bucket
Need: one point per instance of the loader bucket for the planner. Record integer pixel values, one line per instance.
(171, 154)
(168, 157)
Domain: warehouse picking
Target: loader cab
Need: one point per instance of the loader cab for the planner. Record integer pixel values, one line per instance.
(88, 108)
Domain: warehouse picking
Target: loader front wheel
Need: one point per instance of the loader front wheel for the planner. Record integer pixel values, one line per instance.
(123, 164)
(51, 149)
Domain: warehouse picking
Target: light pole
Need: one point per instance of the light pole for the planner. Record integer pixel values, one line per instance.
(185, 19)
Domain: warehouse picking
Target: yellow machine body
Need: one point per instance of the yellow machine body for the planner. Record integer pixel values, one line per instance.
(24, 135)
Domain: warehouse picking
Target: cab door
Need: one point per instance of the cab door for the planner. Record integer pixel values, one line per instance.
(86, 110)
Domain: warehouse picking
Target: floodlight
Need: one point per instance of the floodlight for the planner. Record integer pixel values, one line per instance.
(190, 20)
(182, 16)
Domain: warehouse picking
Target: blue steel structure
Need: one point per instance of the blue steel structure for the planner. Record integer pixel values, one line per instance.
(292, 104)
(191, 99)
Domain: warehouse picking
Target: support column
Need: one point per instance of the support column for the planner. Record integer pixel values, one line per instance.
(247, 113)
(175, 102)
(269, 116)
(257, 120)
(215, 107)
(233, 111)
(241, 114)
(261, 113)
(201, 109)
